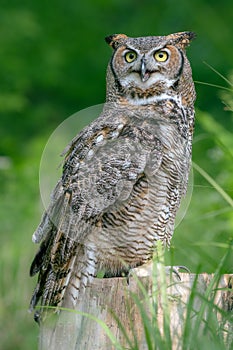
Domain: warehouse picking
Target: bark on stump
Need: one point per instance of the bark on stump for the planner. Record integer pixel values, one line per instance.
(75, 331)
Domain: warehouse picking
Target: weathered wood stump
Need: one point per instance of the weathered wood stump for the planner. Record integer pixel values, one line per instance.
(105, 297)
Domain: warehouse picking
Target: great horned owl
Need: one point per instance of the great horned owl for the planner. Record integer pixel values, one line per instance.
(124, 174)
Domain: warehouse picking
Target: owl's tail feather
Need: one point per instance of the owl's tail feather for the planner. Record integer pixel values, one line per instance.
(56, 254)
(63, 273)
(64, 264)
(54, 270)
(83, 271)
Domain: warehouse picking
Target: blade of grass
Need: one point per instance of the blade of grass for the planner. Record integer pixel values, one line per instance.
(146, 305)
(218, 188)
(213, 85)
(122, 328)
(146, 320)
(218, 73)
(214, 244)
(187, 335)
(207, 295)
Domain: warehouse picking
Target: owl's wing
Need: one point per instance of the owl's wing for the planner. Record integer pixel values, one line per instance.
(101, 167)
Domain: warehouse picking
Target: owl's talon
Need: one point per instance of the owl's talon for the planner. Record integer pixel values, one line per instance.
(145, 270)
(185, 268)
(175, 270)
(37, 317)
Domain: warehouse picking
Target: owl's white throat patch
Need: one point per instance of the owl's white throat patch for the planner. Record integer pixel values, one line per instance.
(140, 101)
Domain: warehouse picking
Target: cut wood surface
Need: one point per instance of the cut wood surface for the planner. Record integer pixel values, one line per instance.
(106, 297)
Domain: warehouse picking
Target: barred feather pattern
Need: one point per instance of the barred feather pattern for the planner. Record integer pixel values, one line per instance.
(123, 177)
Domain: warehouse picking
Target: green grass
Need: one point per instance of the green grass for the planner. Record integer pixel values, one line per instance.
(205, 324)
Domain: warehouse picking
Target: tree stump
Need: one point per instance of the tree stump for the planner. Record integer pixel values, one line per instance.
(111, 298)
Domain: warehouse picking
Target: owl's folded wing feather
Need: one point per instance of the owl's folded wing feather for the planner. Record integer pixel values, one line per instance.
(99, 172)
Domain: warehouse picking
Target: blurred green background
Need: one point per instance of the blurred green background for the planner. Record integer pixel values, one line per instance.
(52, 63)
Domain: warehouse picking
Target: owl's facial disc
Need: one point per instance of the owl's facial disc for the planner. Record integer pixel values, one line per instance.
(147, 65)
(146, 69)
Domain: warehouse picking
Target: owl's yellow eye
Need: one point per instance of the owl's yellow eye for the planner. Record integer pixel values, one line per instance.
(130, 56)
(161, 56)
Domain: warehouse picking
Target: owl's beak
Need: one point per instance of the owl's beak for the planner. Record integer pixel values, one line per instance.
(145, 75)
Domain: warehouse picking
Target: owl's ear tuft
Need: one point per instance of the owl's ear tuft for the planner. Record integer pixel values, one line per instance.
(182, 39)
(115, 40)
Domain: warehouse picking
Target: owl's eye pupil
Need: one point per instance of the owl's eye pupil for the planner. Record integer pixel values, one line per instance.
(130, 56)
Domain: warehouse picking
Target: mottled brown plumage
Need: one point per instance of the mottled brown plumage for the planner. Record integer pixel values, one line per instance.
(124, 174)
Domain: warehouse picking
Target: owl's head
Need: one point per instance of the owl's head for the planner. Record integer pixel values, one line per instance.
(148, 66)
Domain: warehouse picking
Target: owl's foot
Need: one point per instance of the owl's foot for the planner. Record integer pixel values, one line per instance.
(145, 270)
